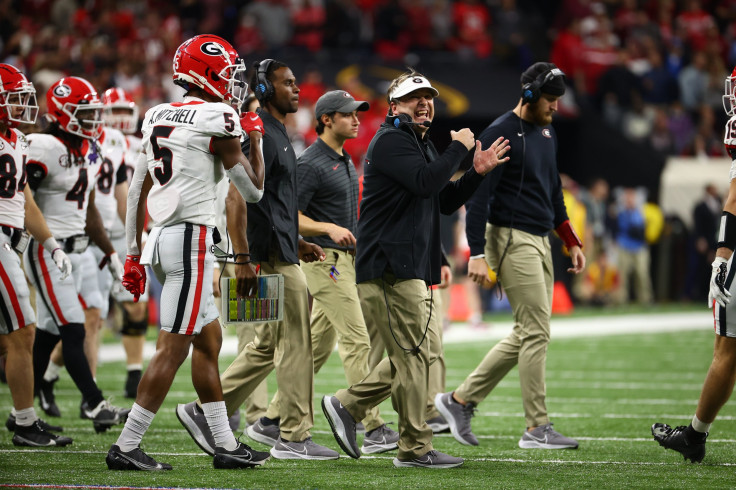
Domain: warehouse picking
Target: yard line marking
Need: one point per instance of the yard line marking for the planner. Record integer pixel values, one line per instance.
(41, 485)
(561, 415)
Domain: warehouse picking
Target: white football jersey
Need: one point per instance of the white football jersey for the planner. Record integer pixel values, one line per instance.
(63, 192)
(113, 145)
(729, 139)
(177, 138)
(13, 155)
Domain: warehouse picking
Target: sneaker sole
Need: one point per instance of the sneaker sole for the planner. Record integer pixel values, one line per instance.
(439, 428)
(540, 445)
(292, 455)
(378, 448)
(22, 441)
(413, 464)
(258, 437)
(338, 429)
(194, 433)
(440, 406)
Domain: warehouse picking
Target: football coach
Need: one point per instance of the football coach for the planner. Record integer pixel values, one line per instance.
(406, 187)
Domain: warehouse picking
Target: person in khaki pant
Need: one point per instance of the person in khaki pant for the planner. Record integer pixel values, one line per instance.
(517, 207)
(406, 185)
(273, 244)
(328, 208)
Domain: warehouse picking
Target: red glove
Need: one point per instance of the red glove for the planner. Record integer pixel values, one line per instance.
(134, 278)
(250, 121)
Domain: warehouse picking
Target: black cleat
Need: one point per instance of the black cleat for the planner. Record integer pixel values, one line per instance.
(684, 440)
(131, 383)
(104, 415)
(135, 460)
(10, 425)
(45, 393)
(242, 456)
(35, 436)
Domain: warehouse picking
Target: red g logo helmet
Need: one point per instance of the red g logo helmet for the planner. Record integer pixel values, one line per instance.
(212, 64)
(73, 103)
(119, 110)
(17, 97)
(729, 97)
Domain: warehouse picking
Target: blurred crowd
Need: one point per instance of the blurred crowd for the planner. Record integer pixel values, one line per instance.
(654, 69)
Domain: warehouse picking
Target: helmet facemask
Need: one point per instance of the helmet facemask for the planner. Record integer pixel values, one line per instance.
(21, 101)
(729, 98)
(85, 120)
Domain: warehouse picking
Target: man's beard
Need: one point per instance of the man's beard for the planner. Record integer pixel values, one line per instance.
(538, 116)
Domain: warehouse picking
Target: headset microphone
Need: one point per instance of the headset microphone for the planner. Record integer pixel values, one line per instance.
(402, 119)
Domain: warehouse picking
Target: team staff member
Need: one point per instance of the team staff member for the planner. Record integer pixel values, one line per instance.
(525, 204)
(18, 209)
(275, 246)
(406, 186)
(690, 440)
(328, 212)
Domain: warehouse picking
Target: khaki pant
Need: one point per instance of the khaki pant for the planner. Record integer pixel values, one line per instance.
(527, 279)
(636, 264)
(337, 318)
(257, 402)
(286, 346)
(408, 302)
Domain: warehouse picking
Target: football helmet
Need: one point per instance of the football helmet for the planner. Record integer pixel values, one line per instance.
(212, 64)
(17, 97)
(729, 97)
(119, 110)
(74, 104)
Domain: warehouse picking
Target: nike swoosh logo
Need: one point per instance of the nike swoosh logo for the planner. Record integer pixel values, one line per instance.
(253, 117)
(293, 450)
(519, 134)
(336, 167)
(543, 440)
(286, 148)
(140, 464)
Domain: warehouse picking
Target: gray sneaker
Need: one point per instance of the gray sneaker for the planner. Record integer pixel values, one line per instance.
(458, 417)
(306, 449)
(343, 425)
(433, 459)
(267, 434)
(380, 440)
(438, 425)
(192, 418)
(545, 437)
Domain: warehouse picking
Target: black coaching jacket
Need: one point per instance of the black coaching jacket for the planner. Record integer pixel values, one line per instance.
(405, 188)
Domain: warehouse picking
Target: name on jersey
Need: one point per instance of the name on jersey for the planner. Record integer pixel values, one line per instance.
(183, 116)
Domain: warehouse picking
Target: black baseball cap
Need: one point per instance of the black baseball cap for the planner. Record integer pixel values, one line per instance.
(338, 101)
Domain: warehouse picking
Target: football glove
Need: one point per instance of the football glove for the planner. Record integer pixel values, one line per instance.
(113, 263)
(250, 121)
(62, 262)
(134, 277)
(718, 291)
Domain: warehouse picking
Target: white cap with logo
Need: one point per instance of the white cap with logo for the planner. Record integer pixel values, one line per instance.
(410, 85)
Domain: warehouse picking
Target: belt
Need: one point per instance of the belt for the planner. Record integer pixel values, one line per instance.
(74, 244)
(13, 233)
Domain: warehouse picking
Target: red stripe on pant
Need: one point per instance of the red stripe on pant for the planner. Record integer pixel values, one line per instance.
(201, 250)
(13, 298)
(50, 286)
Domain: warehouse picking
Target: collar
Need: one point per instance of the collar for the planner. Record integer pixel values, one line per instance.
(327, 150)
(266, 117)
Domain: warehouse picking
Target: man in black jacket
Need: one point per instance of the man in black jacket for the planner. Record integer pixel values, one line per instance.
(406, 186)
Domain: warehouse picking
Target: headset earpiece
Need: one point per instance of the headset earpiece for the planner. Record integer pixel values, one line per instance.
(401, 119)
(264, 88)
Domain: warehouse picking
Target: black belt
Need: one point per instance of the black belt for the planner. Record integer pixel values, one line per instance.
(74, 244)
(13, 233)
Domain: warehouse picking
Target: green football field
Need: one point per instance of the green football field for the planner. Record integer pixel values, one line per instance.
(604, 390)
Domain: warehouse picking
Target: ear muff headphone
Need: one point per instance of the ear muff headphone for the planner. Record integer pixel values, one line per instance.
(532, 91)
(264, 88)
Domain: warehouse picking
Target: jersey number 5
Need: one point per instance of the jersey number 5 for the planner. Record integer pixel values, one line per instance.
(163, 173)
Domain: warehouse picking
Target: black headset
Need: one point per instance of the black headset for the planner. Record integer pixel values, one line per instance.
(264, 88)
(532, 91)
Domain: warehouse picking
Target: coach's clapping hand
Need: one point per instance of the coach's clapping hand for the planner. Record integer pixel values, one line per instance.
(310, 252)
(486, 160)
(464, 136)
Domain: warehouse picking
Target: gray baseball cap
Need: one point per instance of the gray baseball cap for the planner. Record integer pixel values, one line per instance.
(338, 101)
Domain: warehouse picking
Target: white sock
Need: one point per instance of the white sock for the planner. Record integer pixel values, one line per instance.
(52, 372)
(12, 411)
(135, 367)
(216, 415)
(25, 417)
(700, 426)
(139, 420)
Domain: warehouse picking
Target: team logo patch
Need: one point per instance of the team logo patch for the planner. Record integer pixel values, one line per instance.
(64, 161)
(417, 80)
(346, 95)
(546, 133)
(62, 90)
(213, 49)
(2, 145)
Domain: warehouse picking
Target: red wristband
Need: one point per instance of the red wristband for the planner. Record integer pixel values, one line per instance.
(567, 235)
